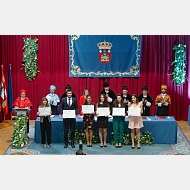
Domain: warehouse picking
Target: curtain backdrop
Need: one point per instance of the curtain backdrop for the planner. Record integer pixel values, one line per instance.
(157, 54)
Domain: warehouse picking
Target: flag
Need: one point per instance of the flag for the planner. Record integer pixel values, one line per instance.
(104, 55)
(4, 105)
(10, 90)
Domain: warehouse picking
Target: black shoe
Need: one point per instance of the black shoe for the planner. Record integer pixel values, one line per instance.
(139, 147)
(116, 146)
(105, 145)
(66, 145)
(73, 146)
(28, 137)
(90, 145)
(132, 147)
(119, 146)
(101, 146)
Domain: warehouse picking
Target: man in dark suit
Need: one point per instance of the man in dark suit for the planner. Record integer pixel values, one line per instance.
(69, 103)
(110, 95)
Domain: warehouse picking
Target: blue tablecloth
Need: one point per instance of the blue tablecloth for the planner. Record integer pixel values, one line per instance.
(164, 131)
(189, 116)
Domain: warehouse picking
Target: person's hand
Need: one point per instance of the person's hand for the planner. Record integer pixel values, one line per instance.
(81, 112)
(127, 112)
(50, 112)
(63, 117)
(106, 115)
(75, 116)
(38, 113)
(106, 95)
(52, 100)
(162, 102)
(141, 112)
(97, 113)
(113, 115)
(142, 99)
(93, 112)
(125, 101)
(145, 101)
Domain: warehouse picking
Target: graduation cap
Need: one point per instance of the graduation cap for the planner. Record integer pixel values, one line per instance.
(145, 88)
(106, 84)
(124, 88)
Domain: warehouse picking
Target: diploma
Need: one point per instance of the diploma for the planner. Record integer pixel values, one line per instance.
(118, 111)
(134, 111)
(87, 109)
(44, 111)
(103, 111)
(68, 113)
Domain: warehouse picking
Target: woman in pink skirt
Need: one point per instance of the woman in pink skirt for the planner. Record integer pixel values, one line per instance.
(135, 122)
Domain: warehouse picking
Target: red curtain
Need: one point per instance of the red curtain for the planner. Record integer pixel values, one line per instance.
(157, 54)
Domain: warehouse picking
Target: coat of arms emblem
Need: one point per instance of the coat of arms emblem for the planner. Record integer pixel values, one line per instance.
(104, 52)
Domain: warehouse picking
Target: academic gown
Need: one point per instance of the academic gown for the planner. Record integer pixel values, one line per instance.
(53, 104)
(111, 94)
(163, 110)
(146, 109)
(127, 98)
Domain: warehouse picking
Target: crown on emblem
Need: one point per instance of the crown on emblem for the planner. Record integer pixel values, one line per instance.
(104, 45)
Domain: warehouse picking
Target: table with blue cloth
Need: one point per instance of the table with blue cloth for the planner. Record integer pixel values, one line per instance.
(164, 131)
(189, 116)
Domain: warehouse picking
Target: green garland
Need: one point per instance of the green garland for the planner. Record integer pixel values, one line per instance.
(78, 133)
(30, 61)
(19, 132)
(179, 73)
(145, 138)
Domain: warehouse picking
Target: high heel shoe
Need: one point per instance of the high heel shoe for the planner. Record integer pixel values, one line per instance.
(138, 147)
(101, 146)
(132, 147)
(105, 145)
(116, 146)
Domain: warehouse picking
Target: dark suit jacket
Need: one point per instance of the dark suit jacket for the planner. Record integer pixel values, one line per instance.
(65, 106)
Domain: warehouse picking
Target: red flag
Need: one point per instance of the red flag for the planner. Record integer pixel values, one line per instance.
(4, 105)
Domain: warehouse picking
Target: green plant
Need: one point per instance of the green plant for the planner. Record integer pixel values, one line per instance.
(78, 133)
(145, 138)
(179, 73)
(30, 61)
(19, 132)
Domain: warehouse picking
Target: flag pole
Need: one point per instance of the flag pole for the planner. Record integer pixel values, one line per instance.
(11, 111)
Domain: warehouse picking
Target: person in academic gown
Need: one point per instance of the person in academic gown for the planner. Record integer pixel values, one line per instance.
(53, 100)
(68, 87)
(110, 95)
(163, 101)
(146, 101)
(23, 102)
(126, 97)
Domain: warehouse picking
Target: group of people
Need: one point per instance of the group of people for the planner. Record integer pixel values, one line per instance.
(107, 98)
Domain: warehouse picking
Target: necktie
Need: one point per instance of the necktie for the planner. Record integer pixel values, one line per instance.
(69, 102)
